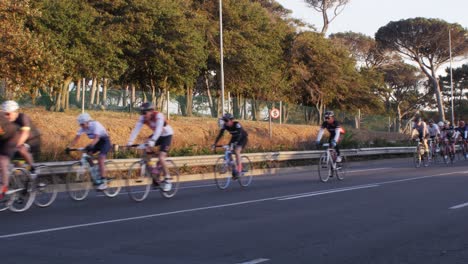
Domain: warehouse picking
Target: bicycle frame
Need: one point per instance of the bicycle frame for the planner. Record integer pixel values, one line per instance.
(331, 155)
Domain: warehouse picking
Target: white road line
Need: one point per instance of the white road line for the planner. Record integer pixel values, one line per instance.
(255, 261)
(353, 171)
(459, 206)
(329, 191)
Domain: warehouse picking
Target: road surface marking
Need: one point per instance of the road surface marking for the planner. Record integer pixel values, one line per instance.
(329, 191)
(255, 261)
(459, 206)
(353, 171)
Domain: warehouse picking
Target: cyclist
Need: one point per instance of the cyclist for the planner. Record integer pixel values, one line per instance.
(7, 149)
(29, 141)
(434, 133)
(334, 128)
(420, 131)
(462, 130)
(100, 143)
(162, 137)
(446, 135)
(239, 138)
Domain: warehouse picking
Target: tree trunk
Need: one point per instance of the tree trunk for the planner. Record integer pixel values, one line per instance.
(104, 91)
(78, 91)
(98, 93)
(133, 98)
(236, 106)
(398, 119)
(189, 101)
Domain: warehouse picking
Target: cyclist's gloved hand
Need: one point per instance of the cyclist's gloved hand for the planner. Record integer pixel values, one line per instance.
(67, 150)
(333, 143)
(150, 143)
(89, 148)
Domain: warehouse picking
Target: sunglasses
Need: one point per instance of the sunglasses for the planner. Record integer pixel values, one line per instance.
(8, 114)
(143, 112)
(327, 118)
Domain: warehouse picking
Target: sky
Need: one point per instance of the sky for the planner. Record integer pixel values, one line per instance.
(367, 16)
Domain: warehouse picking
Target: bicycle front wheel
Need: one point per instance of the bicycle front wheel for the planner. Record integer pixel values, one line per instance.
(78, 181)
(324, 168)
(341, 168)
(113, 178)
(23, 187)
(417, 159)
(46, 186)
(245, 176)
(138, 181)
(222, 173)
(174, 178)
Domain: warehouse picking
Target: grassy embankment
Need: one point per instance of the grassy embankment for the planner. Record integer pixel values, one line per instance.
(193, 135)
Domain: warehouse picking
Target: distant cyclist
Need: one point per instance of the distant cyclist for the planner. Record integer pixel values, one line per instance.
(447, 135)
(434, 132)
(239, 138)
(334, 128)
(162, 136)
(421, 131)
(100, 143)
(462, 130)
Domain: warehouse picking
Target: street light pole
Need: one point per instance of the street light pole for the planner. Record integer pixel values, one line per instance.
(221, 52)
(451, 79)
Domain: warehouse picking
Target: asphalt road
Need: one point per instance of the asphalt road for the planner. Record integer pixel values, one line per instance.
(385, 211)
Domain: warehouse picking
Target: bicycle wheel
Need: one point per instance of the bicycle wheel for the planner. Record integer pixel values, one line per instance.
(46, 186)
(23, 187)
(138, 181)
(425, 159)
(78, 181)
(324, 168)
(113, 178)
(417, 158)
(245, 176)
(222, 173)
(174, 172)
(341, 168)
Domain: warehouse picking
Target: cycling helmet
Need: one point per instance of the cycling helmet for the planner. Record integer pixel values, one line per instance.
(446, 122)
(10, 106)
(83, 118)
(329, 114)
(145, 107)
(226, 117)
(431, 121)
(417, 119)
(440, 124)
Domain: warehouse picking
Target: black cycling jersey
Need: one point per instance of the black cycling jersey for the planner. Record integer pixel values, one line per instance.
(24, 121)
(236, 131)
(332, 128)
(462, 130)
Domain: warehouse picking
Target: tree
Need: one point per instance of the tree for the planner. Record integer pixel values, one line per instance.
(460, 84)
(425, 41)
(405, 94)
(323, 6)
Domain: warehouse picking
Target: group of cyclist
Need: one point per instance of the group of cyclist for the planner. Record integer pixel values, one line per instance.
(441, 133)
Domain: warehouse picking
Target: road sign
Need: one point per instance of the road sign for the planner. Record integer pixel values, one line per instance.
(274, 113)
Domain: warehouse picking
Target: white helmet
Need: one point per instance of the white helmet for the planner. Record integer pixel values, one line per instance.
(10, 106)
(440, 124)
(83, 118)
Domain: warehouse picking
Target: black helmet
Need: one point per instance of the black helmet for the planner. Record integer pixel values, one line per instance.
(329, 114)
(431, 121)
(417, 119)
(227, 117)
(145, 107)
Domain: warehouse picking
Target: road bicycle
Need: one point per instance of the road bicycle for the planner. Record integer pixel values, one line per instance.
(448, 154)
(21, 193)
(225, 167)
(146, 172)
(434, 151)
(462, 149)
(420, 156)
(84, 173)
(327, 165)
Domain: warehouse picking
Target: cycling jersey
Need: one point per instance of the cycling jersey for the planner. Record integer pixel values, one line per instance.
(447, 133)
(156, 123)
(94, 128)
(24, 123)
(332, 128)
(463, 131)
(421, 128)
(433, 130)
(238, 134)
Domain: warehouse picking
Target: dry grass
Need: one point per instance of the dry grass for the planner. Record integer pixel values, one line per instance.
(192, 135)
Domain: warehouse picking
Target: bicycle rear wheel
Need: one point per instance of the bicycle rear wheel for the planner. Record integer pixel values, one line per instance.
(78, 181)
(324, 168)
(138, 181)
(23, 187)
(341, 168)
(222, 173)
(113, 178)
(245, 176)
(46, 186)
(174, 172)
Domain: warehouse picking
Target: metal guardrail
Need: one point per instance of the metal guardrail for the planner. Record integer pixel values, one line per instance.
(209, 160)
